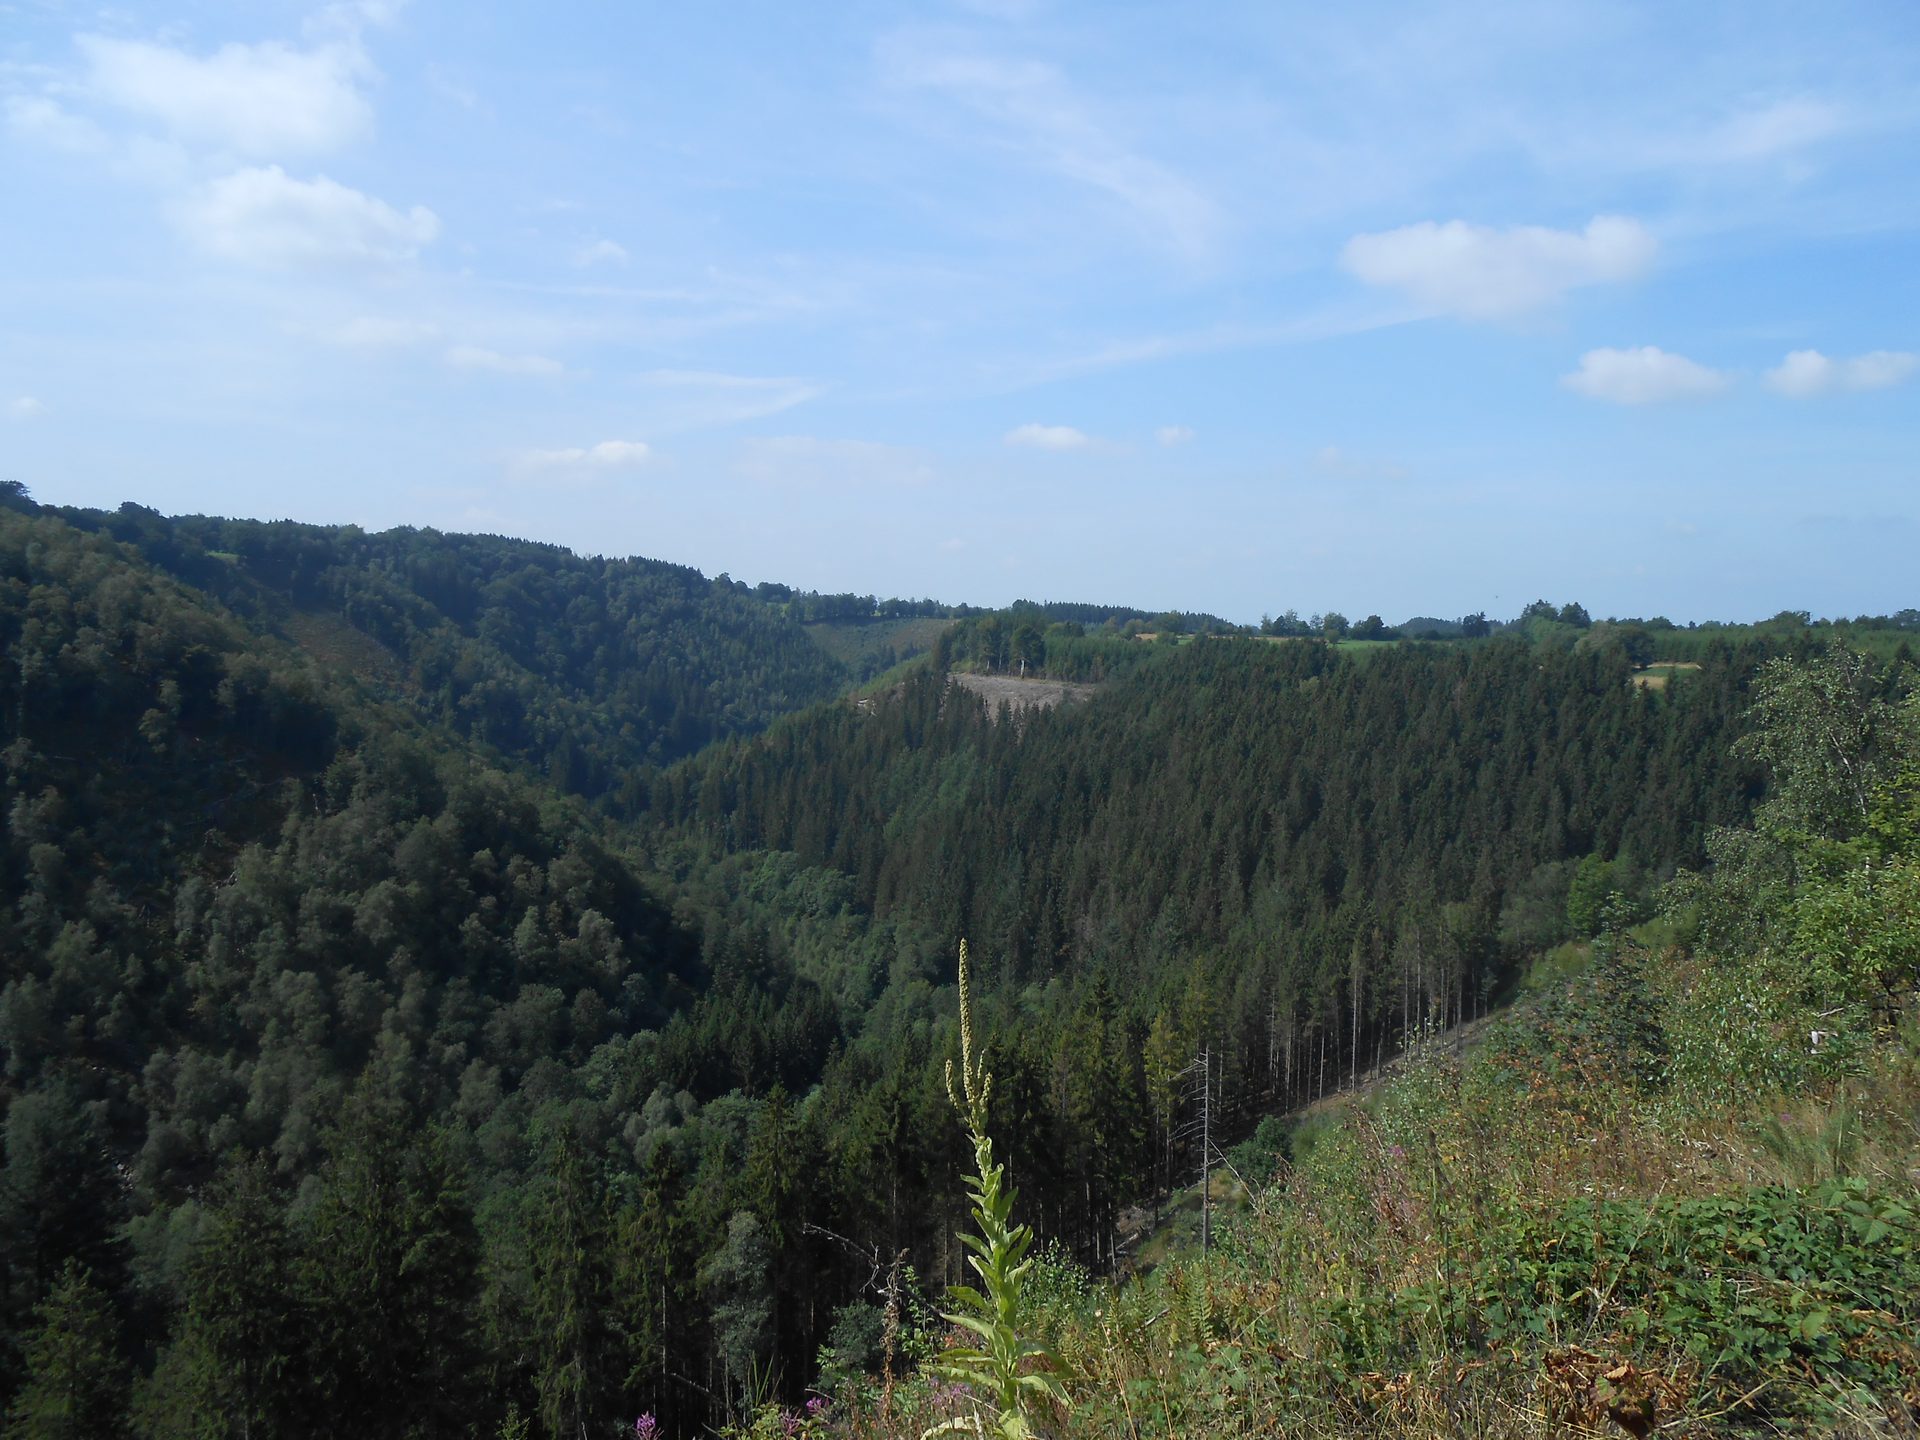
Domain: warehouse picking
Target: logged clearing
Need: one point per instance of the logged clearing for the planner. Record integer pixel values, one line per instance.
(1022, 694)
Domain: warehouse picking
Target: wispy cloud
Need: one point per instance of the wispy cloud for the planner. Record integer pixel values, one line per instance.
(606, 455)
(1031, 110)
(826, 463)
(599, 252)
(381, 332)
(1482, 273)
(474, 357)
(706, 397)
(1765, 132)
(1340, 464)
(43, 120)
(1808, 372)
(1647, 375)
(1048, 437)
(1170, 435)
(23, 407)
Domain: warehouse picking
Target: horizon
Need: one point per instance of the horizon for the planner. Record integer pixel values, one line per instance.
(1407, 310)
(1497, 620)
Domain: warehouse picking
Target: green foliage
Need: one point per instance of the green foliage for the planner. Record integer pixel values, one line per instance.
(735, 1279)
(571, 1309)
(393, 1266)
(1742, 1285)
(1606, 894)
(240, 1363)
(76, 1380)
(1259, 1157)
(1812, 916)
(579, 668)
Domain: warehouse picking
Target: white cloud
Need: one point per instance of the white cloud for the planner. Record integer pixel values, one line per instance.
(242, 100)
(380, 332)
(249, 100)
(1048, 437)
(607, 455)
(1808, 372)
(811, 460)
(1879, 369)
(1643, 376)
(35, 117)
(263, 216)
(23, 407)
(1482, 273)
(473, 357)
(1173, 434)
(600, 252)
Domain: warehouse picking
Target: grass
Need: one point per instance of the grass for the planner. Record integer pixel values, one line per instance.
(1539, 1237)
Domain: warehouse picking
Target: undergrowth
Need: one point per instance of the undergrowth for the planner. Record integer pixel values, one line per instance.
(1545, 1236)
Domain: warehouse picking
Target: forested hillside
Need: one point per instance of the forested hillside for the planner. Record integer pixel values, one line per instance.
(233, 888)
(586, 670)
(1672, 1191)
(356, 1076)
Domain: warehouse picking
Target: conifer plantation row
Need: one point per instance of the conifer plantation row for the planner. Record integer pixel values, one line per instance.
(453, 987)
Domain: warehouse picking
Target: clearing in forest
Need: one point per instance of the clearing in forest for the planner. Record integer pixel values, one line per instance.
(1021, 693)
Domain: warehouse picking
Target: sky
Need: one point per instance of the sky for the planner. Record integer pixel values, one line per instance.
(1237, 307)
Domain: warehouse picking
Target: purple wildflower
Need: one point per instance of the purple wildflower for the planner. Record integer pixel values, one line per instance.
(646, 1427)
(817, 1406)
(789, 1423)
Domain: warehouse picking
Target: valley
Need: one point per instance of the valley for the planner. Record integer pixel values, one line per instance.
(632, 960)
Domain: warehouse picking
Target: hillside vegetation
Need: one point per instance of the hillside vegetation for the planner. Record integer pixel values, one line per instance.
(585, 670)
(1676, 1191)
(366, 1070)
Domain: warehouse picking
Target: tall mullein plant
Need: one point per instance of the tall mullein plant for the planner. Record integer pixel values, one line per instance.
(1005, 1369)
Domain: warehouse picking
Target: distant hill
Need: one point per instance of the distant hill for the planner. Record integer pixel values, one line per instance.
(585, 669)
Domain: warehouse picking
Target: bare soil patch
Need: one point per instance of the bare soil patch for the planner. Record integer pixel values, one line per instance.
(1023, 694)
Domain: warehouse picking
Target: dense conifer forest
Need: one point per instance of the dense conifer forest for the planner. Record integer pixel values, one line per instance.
(455, 987)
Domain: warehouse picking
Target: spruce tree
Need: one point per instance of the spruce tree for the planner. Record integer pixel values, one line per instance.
(572, 1300)
(76, 1386)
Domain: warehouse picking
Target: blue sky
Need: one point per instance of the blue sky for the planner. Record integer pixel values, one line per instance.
(1236, 307)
